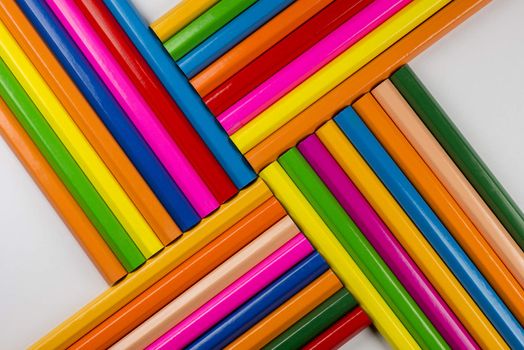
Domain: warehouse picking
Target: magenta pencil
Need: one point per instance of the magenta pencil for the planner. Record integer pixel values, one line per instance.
(236, 294)
(378, 234)
(308, 63)
(135, 106)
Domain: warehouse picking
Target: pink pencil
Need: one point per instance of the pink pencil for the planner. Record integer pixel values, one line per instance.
(135, 106)
(308, 63)
(235, 295)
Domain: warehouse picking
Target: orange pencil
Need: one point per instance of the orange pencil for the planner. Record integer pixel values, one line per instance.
(89, 123)
(59, 196)
(177, 281)
(362, 81)
(254, 45)
(451, 177)
(288, 313)
(442, 203)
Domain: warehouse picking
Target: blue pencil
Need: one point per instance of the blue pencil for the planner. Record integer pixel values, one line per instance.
(110, 113)
(431, 226)
(262, 304)
(230, 35)
(183, 93)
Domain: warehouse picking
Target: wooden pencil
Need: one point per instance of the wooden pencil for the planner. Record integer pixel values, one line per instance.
(110, 112)
(209, 286)
(230, 35)
(407, 234)
(115, 298)
(182, 277)
(77, 145)
(451, 177)
(431, 226)
(236, 294)
(252, 106)
(70, 173)
(157, 98)
(58, 195)
(256, 44)
(339, 260)
(204, 26)
(342, 331)
(315, 322)
(362, 81)
(88, 122)
(288, 313)
(179, 16)
(334, 73)
(462, 153)
(360, 249)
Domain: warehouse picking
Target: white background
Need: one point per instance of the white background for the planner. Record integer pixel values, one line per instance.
(475, 72)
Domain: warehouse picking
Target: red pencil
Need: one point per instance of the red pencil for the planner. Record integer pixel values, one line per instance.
(341, 331)
(282, 53)
(158, 98)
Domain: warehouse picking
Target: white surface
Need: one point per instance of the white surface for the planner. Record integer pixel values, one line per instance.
(475, 73)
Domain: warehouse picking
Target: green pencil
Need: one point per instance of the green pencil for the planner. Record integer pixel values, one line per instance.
(204, 26)
(314, 323)
(458, 148)
(69, 172)
(355, 243)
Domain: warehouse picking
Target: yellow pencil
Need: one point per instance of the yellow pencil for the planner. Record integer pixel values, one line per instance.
(334, 73)
(77, 145)
(179, 16)
(410, 237)
(340, 261)
(135, 283)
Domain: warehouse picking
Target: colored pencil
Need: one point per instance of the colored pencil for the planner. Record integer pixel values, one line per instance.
(269, 299)
(342, 331)
(236, 294)
(431, 227)
(182, 277)
(334, 73)
(315, 322)
(308, 63)
(76, 143)
(230, 35)
(88, 122)
(183, 93)
(167, 151)
(179, 16)
(338, 259)
(442, 203)
(451, 177)
(278, 56)
(172, 256)
(204, 26)
(67, 169)
(256, 44)
(158, 99)
(410, 237)
(458, 148)
(385, 244)
(56, 192)
(57, 123)
(109, 112)
(359, 248)
(362, 81)
(288, 313)
(209, 286)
